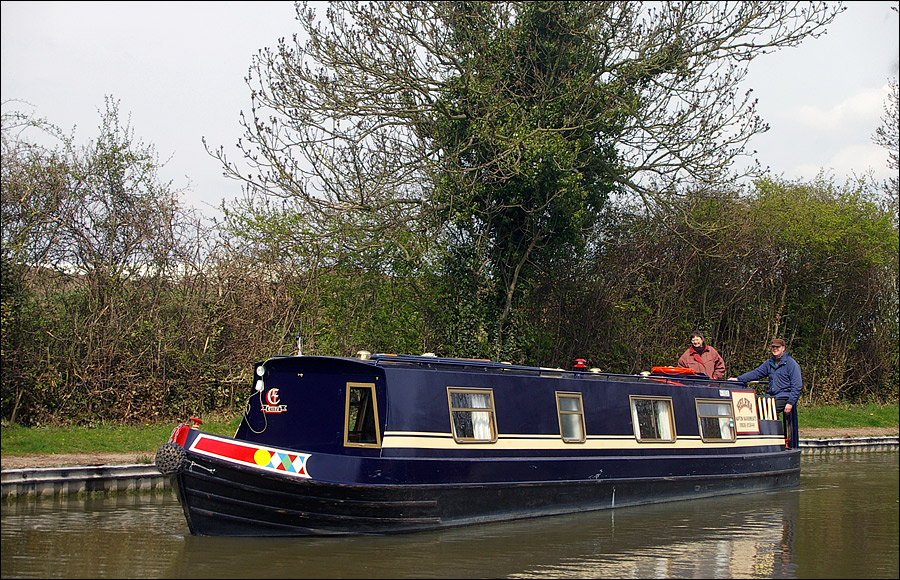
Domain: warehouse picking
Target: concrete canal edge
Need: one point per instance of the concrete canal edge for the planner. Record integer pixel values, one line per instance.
(849, 444)
(50, 481)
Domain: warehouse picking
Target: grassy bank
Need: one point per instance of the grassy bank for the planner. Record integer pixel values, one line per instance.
(848, 416)
(146, 438)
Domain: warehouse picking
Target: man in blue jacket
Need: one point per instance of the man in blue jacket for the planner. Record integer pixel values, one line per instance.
(785, 383)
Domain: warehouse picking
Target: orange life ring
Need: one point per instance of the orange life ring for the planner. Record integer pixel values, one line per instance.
(673, 370)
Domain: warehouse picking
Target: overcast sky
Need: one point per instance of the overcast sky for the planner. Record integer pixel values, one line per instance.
(178, 70)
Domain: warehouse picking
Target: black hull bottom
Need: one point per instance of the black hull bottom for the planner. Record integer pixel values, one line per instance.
(220, 499)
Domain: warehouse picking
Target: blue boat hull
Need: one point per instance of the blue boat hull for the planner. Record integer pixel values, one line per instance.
(222, 499)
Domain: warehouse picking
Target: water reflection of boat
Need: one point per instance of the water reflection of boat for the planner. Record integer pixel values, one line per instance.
(386, 443)
(726, 537)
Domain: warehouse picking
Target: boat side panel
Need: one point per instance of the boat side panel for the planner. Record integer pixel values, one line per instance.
(527, 404)
(467, 468)
(412, 400)
(222, 499)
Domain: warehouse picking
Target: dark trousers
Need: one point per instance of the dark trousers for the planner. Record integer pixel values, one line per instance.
(791, 426)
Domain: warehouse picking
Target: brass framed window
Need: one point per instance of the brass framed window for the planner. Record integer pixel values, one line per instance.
(472, 415)
(361, 427)
(716, 418)
(571, 417)
(652, 418)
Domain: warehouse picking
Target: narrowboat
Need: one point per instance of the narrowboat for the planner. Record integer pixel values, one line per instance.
(380, 444)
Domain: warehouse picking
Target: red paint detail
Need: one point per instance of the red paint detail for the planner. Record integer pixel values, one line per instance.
(242, 453)
(179, 435)
(673, 370)
(668, 382)
(225, 449)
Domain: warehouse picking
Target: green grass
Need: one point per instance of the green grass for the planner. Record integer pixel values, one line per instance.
(18, 440)
(848, 416)
(146, 438)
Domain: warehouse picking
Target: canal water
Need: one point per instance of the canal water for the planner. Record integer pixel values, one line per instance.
(840, 522)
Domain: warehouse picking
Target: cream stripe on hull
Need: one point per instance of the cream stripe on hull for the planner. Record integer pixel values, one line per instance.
(424, 440)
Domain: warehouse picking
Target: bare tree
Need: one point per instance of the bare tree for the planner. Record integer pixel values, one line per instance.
(337, 114)
(94, 249)
(502, 127)
(35, 179)
(888, 136)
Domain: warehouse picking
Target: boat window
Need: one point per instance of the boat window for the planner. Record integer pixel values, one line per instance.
(361, 416)
(472, 415)
(716, 420)
(571, 417)
(652, 419)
